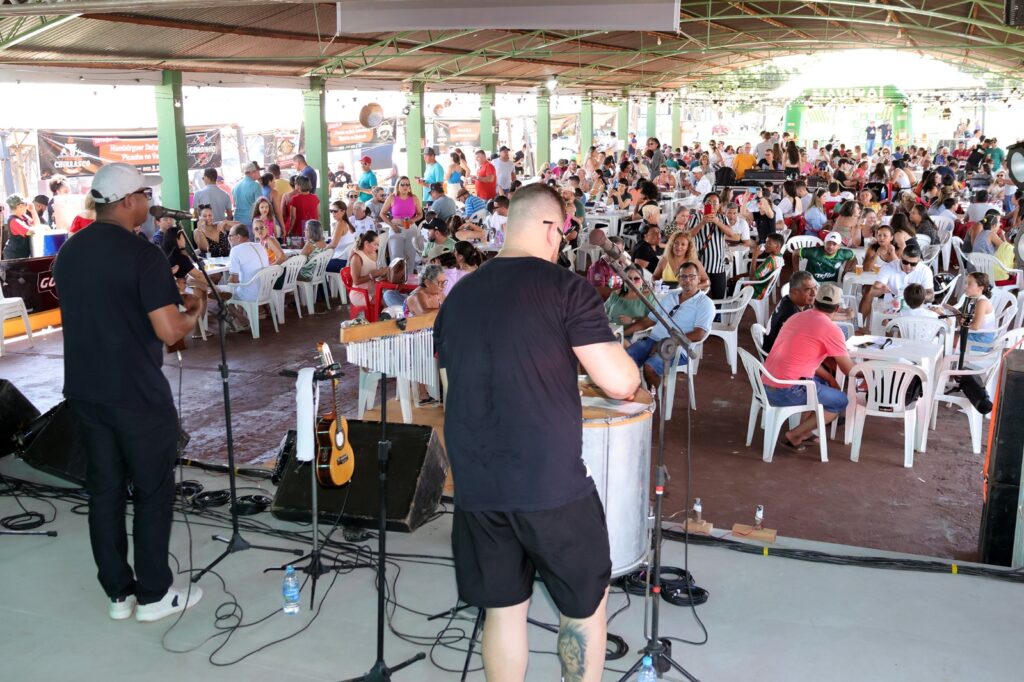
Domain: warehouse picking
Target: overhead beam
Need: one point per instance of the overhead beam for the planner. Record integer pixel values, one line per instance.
(20, 34)
(394, 46)
(59, 7)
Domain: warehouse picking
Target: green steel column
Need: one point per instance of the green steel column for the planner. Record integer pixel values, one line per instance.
(487, 120)
(677, 130)
(622, 121)
(652, 115)
(586, 125)
(794, 114)
(543, 128)
(170, 132)
(414, 131)
(315, 125)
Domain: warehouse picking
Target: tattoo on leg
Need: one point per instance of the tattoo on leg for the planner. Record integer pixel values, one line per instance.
(572, 651)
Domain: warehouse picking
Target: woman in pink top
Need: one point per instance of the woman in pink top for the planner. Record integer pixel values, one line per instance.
(403, 212)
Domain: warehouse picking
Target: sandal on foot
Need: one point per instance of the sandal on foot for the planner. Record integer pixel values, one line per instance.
(798, 447)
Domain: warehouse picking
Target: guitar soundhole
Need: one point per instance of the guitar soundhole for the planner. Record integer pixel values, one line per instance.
(339, 440)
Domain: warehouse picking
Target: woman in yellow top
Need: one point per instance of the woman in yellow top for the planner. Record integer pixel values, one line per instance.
(680, 249)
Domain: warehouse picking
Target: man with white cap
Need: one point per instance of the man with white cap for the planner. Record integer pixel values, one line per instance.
(116, 321)
(246, 192)
(828, 262)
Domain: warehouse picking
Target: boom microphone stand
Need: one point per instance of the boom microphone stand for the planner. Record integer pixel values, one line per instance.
(656, 648)
(380, 672)
(236, 543)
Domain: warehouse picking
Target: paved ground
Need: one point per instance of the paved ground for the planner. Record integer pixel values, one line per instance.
(932, 509)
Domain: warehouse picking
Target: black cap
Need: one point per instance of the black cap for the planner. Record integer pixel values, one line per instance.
(429, 151)
(504, 149)
(437, 187)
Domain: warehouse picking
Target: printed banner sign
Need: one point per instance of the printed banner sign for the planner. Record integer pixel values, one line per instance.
(73, 153)
(451, 133)
(351, 135)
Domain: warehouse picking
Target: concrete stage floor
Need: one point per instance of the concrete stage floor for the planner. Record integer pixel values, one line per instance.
(768, 618)
(933, 509)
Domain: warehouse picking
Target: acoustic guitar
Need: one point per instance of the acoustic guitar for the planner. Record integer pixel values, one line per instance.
(335, 460)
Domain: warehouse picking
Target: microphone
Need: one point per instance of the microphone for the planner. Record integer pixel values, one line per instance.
(159, 212)
(598, 239)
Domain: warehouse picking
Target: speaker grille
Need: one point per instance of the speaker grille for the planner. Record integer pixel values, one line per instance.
(1014, 13)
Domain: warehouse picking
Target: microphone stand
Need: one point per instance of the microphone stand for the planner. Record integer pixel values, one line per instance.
(660, 650)
(236, 543)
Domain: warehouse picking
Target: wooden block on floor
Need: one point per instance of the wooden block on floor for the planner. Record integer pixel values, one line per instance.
(742, 530)
(698, 528)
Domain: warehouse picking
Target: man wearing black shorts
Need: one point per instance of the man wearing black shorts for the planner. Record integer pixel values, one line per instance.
(119, 305)
(509, 338)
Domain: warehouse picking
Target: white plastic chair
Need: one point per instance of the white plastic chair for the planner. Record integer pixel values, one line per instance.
(291, 269)
(887, 386)
(930, 256)
(758, 332)
(922, 329)
(1004, 307)
(334, 278)
(762, 306)
(945, 245)
(774, 418)
(11, 308)
(690, 370)
(991, 266)
(1019, 320)
(318, 279)
(958, 247)
(983, 367)
(802, 241)
(944, 294)
(730, 311)
(924, 241)
(265, 278)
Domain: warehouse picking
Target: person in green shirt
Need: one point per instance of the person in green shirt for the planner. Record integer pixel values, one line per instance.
(994, 153)
(623, 306)
(827, 262)
(769, 264)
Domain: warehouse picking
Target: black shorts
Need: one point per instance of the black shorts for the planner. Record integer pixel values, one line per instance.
(498, 553)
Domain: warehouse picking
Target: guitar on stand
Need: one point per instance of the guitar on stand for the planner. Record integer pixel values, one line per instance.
(335, 460)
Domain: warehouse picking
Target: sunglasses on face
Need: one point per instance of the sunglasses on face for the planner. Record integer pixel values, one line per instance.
(909, 263)
(335, 210)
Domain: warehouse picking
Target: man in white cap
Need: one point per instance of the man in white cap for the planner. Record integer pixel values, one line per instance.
(828, 262)
(246, 192)
(116, 321)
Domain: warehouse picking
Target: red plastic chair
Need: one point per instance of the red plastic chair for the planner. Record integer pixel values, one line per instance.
(354, 310)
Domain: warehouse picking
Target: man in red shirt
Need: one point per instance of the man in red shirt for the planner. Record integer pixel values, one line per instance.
(808, 338)
(303, 206)
(486, 177)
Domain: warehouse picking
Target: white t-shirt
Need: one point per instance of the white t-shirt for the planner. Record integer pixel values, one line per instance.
(364, 225)
(975, 212)
(892, 276)
(347, 240)
(787, 208)
(503, 169)
(496, 221)
(742, 228)
(923, 311)
(247, 259)
(703, 186)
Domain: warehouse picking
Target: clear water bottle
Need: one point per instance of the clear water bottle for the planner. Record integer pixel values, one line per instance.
(647, 672)
(290, 588)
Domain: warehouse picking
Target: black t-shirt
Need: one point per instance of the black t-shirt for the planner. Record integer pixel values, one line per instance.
(840, 177)
(785, 310)
(646, 252)
(109, 281)
(513, 418)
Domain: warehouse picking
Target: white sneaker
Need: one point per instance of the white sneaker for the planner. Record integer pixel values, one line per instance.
(173, 602)
(121, 609)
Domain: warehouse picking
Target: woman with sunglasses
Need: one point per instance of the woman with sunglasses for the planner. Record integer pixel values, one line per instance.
(403, 212)
(665, 181)
(624, 306)
(264, 210)
(275, 254)
(211, 238)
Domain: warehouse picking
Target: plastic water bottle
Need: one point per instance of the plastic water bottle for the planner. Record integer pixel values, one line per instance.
(290, 588)
(647, 672)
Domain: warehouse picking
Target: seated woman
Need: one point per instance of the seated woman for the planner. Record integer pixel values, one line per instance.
(816, 216)
(679, 249)
(211, 238)
(665, 181)
(185, 272)
(343, 237)
(624, 306)
(466, 257)
(429, 295)
(315, 243)
(981, 334)
(847, 223)
(923, 224)
(882, 251)
(275, 254)
(365, 273)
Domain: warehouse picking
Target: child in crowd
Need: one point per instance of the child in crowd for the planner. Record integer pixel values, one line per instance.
(913, 303)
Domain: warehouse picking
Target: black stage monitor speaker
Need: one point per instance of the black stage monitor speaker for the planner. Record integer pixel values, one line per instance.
(1002, 479)
(1013, 14)
(416, 475)
(16, 413)
(51, 444)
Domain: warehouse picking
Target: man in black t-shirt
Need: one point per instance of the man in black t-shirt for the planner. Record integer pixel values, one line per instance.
(119, 305)
(802, 290)
(509, 339)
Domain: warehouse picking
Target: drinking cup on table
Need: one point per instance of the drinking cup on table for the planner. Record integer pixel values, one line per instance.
(858, 269)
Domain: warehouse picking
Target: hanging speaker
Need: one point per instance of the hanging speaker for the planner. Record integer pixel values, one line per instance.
(1015, 161)
(1013, 13)
(372, 115)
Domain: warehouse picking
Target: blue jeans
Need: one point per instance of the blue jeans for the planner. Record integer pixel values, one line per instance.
(870, 146)
(393, 297)
(641, 354)
(832, 399)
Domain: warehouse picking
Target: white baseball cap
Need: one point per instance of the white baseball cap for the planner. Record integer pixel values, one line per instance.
(115, 181)
(834, 237)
